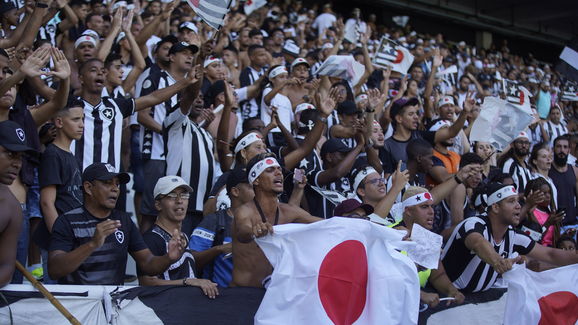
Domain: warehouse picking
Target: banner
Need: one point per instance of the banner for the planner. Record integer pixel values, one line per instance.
(539, 298)
(499, 122)
(252, 5)
(342, 66)
(391, 54)
(570, 91)
(212, 12)
(338, 271)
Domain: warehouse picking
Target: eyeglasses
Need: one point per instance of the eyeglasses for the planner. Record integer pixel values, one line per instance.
(175, 196)
(376, 181)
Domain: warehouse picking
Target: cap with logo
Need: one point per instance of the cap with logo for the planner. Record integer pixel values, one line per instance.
(181, 46)
(167, 184)
(299, 61)
(13, 137)
(103, 172)
(445, 101)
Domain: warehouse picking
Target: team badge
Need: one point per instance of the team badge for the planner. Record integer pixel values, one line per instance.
(119, 235)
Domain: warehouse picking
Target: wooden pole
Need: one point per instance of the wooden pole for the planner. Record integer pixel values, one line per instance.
(47, 294)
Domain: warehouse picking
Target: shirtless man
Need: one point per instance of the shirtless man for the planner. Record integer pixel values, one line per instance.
(257, 218)
(298, 92)
(12, 146)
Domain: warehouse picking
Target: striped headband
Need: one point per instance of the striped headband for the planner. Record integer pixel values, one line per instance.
(417, 199)
(277, 71)
(361, 176)
(501, 194)
(260, 167)
(246, 141)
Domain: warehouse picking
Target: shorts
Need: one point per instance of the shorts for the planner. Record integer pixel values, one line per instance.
(153, 169)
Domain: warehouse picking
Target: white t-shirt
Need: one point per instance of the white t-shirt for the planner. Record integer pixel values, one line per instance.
(323, 21)
(284, 109)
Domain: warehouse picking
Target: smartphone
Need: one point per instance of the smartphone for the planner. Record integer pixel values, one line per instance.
(298, 175)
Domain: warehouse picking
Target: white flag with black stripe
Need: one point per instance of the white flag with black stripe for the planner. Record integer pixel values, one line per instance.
(212, 12)
(570, 92)
(342, 66)
(391, 54)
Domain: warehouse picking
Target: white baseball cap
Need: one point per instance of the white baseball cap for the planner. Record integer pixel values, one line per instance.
(299, 61)
(167, 184)
(446, 100)
(190, 26)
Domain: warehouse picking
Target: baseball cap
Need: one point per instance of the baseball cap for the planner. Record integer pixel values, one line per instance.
(399, 104)
(237, 176)
(181, 46)
(167, 184)
(299, 61)
(446, 100)
(349, 205)
(333, 145)
(347, 107)
(291, 48)
(13, 137)
(103, 172)
(190, 26)
(167, 39)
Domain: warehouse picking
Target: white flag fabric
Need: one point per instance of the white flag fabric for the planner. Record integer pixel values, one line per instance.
(338, 271)
(500, 122)
(541, 298)
(212, 12)
(570, 92)
(391, 54)
(252, 5)
(342, 66)
(352, 32)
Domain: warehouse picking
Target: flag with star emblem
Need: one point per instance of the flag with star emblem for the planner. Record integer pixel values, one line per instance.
(252, 5)
(570, 92)
(212, 12)
(391, 54)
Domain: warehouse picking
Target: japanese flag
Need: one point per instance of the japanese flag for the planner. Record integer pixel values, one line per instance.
(543, 298)
(338, 271)
(252, 5)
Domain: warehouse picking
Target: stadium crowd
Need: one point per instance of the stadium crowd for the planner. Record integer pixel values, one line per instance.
(227, 133)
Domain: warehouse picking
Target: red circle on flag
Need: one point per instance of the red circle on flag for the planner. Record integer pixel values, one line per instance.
(560, 308)
(399, 57)
(342, 282)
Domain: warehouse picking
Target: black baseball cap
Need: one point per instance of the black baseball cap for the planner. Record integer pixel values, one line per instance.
(103, 172)
(181, 46)
(347, 107)
(349, 205)
(167, 39)
(13, 138)
(333, 145)
(237, 176)
(401, 103)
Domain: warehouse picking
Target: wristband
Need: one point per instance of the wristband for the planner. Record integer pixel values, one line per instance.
(41, 5)
(457, 179)
(185, 282)
(367, 110)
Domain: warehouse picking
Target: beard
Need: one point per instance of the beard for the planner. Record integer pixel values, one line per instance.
(521, 152)
(561, 159)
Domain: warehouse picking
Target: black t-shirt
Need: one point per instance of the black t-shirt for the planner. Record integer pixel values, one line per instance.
(395, 150)
(60, 168)
(107, 264)
(157, 239)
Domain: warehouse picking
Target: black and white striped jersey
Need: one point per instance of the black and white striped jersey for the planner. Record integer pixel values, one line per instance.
(464, 268)
(189, 154)
(101, 141)
(152, 143)
(520, 174)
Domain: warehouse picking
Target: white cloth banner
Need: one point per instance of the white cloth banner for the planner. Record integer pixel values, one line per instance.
(342, 66)
(338, 271)
(252, 5)
(499, 122)
(548, 297)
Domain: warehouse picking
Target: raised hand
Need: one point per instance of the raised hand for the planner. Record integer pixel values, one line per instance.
(470, 102)
(195, 74)
(61, 66)
(117, 20)
(340, 29)
(327, 105)
(176, 246)
(34, 64)
(468, 171)
(437, 58)
(103, 230)
(127, 23)
(374, 97)
(399, 178)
